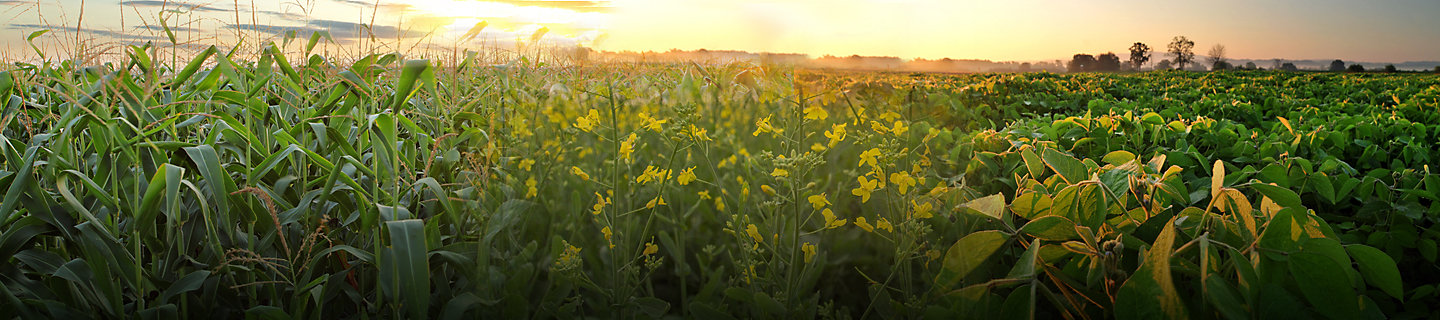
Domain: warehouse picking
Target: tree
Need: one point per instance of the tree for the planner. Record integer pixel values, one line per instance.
(1437, 69)
(1025, 67)
(1139, 55)
(1180, 48)
(1107, 62)
(1277, 65)
(1251, 66)
(1165, 64)
(1356, 68)
(1390, 68)
(1082, 63)
(1337, 65)
(1217, 57)
(1289, 67)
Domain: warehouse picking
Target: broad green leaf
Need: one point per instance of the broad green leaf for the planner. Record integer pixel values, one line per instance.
(1083, 204)
(1325, 285)
(1217, 178)
(1378, 268)
(406, 267)
(1031, 205)
(1033, 164)
(1282, 196)
(991, 206)
(1150, 293)
(966, 255)
(1069, 168)
(1118, 157)
(1051, 228)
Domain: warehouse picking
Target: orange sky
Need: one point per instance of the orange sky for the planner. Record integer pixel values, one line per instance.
(1380, 30)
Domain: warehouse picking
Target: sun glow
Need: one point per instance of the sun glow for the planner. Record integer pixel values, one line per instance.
(514, 18)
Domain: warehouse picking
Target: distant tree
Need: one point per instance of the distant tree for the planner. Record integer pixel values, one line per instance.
(1025, 67)
(1165, 64)
(1390, 68)
(1437, 69)
(1356, 68)
(1251, 66)
(1139, 55)
(1221, 65)
(1337, 65)
(1277, 64)
(1289, 67)
(1217, 57)
(1181, 48)
(1108, 62)
(1082, 63)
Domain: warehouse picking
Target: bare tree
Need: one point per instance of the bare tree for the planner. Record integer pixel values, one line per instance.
(1181, 48)
(1139, 55)
(1217, 56)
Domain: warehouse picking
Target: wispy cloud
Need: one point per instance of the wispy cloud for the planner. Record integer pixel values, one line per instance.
(381, 4)
(172, 5)
(579, 6)
(96, 32)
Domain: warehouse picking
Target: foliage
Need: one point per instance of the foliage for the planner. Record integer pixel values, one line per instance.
(452, 189)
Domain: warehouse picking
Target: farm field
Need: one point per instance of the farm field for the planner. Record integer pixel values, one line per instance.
(396, 188)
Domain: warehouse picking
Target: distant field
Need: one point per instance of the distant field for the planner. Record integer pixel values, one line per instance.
(412, 189)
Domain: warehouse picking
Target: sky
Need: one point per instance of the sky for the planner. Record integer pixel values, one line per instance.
(1012, 30)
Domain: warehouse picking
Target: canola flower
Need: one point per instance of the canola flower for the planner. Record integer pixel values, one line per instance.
(700, 134)
(658, 201)
(922, 210)
(650, 248)
(763, 126)
(600, 203)
(607, 233)
(579, 173)
(780, 173)
(652, 124)
(754, 233)
(869, 158)
(588, 122)
(902, 180)
(530, 189)
(866, 187)
(686, 176)
(627, 147)
(884, 224)
(830, 221)
(815, 112)
(860, 222)
(836, 134)
(768, 190)
(809, 250)
(818, 201)
(526, 164)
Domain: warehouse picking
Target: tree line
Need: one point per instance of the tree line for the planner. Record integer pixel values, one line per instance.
(1182, 55)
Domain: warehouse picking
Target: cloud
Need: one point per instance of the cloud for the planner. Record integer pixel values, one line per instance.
(172, 5)
(578, 6)
(339, 30)
(96, 32)
(368, 4)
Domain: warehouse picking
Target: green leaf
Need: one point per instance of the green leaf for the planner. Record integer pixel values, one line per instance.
(966, 255)
(1378, 268)
(1222, 296)
(406, 268)
(1033, 164)
(1051, 228)
(1150, 293)
(1217, 178)
(991, 206)
(1069, 168)
(188, 283)
(1031, 205)
(1325, 285)
(1083, 204)
(1282, 196)
(1118, 157)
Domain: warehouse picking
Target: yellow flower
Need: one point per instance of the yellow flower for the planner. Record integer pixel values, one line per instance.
(579, 173)
(817, 147)
(627, 147)
(600, 203)
(836, 134)
(658, 201)
(763, 126)
(864, 224)
(719, 205)
(902, 180)
(922, 210)
(830, 221)
(699, 133)
(704, 194)
(650, 248)
(652, 174)
(780, 173)
(607, 233)
(526, 164)
(815, 112)
(884, 224)
(530, 188)
(868, 157)
(866, 187)
(899, 128)
(809, 250)
(818, 201)
(587, 123)
(686, 176)
(652, 123)
(767, 189)
(889, 116)
(879, 128)
(754, 234)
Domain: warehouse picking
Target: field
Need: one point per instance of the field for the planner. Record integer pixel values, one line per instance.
(393, 188)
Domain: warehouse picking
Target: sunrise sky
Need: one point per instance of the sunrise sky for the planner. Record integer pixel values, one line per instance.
(1378, 30)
